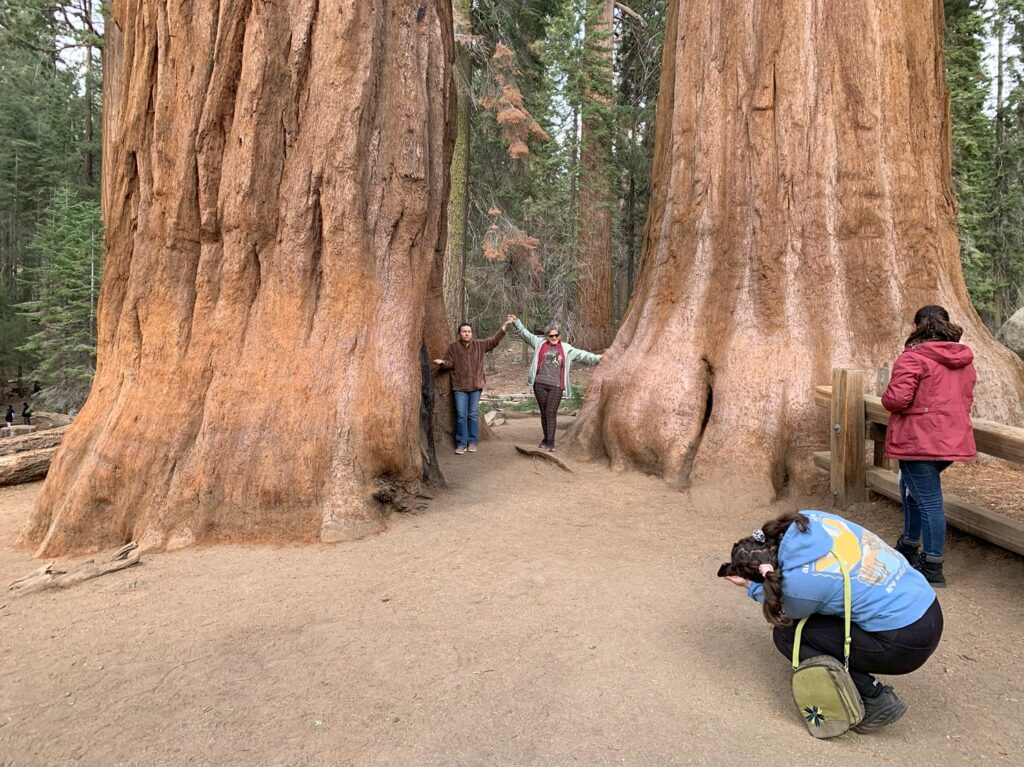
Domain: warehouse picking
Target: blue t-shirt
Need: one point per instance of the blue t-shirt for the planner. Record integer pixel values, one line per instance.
(886, 592)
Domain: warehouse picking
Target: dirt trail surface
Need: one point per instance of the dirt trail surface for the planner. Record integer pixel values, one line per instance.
(527, 619)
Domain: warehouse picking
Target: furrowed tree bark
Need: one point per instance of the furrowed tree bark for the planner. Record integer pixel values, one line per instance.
(274, 185)
(595, 326)
(802, 211)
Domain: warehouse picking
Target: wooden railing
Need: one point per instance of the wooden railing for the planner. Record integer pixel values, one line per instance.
(856, 418)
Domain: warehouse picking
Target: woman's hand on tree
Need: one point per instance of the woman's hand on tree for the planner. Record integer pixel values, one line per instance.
(438, 362)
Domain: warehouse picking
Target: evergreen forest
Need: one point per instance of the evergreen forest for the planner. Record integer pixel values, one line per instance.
(550, 177)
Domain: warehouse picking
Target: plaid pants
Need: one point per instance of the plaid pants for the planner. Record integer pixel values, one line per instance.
(548, 397)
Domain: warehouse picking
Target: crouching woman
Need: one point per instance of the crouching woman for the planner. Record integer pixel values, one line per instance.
(790, 568)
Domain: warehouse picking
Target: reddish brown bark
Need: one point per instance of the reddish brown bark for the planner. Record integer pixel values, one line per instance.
(802, 210)
(275, 178)
(595, 327)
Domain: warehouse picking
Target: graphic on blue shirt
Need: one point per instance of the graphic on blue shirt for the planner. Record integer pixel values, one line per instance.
(887, 592)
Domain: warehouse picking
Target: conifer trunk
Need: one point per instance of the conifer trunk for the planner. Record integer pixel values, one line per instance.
(802, 211)
(274, 185)
(594, 305)
(458, 203)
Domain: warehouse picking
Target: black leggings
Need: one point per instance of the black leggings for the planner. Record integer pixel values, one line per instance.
(898, 651)
(548, 399)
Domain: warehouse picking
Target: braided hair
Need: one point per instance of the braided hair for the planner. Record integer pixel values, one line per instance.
(931, 323)
(749, 553)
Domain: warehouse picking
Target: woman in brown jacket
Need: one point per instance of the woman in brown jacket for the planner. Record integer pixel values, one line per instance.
(465, 358)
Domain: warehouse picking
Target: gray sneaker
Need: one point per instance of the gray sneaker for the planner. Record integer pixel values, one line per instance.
(885, 708)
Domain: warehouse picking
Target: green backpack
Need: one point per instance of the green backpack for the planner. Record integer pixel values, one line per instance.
(823, 690)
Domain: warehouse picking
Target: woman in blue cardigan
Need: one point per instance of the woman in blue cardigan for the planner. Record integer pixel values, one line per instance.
(549, 374)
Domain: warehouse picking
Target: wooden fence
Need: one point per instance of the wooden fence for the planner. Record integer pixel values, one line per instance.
(856, 418)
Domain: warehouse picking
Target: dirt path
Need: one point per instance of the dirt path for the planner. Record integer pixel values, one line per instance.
(509, 625)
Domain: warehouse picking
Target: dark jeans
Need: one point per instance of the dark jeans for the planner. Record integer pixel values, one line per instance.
(923, 513)
(548, 399)
(899, 651)
(467, 417)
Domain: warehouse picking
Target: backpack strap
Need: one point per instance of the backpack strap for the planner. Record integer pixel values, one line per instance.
(847, 598)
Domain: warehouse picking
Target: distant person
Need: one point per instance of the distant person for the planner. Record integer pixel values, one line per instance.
(788, 565)
(26, 413)
(929, 396)
(549, 374)
(9, 417)
(465, 358)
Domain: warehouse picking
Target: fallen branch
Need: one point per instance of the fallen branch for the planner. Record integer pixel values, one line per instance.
(46, 577)
(538, 453)
(627, 10)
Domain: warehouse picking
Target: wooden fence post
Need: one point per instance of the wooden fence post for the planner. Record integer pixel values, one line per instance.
(876, 432)
(848, 471)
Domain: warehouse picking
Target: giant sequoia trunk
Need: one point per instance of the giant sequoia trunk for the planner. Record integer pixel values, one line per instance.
(802, 211)
(274, 181)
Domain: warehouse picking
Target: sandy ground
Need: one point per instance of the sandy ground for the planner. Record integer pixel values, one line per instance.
(527, 618)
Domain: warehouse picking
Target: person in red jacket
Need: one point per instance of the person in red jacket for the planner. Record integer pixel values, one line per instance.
(929, 397)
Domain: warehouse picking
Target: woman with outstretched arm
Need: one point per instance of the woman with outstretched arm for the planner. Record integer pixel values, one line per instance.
(549, 373)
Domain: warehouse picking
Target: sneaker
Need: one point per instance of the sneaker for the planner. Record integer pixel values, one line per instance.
(543, 445)
(931, 569)
(551, 448)
(472, 448)
(460, 450)
(885, 708)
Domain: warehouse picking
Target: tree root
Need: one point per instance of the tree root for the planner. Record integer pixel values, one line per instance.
(538, 453)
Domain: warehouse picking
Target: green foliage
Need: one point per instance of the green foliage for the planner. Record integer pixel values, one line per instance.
(564, 77)
(68, 248)
(50, 90)
(973, 145)
(987, 110)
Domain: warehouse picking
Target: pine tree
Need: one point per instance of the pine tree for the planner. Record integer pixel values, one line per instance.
(68, 246)
(50, 86)
(973, 138)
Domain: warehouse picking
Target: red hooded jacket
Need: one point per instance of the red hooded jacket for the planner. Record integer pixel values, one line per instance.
(930, 396)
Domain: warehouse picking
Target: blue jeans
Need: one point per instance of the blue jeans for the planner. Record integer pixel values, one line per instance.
(921, 491)
(467, 417)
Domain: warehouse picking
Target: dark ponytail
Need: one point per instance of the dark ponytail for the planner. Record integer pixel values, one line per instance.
(931, 323)
(749, 553)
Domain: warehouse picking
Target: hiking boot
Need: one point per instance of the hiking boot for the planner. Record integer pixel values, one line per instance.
(931, 569)
(909, 549)
(885, 708)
